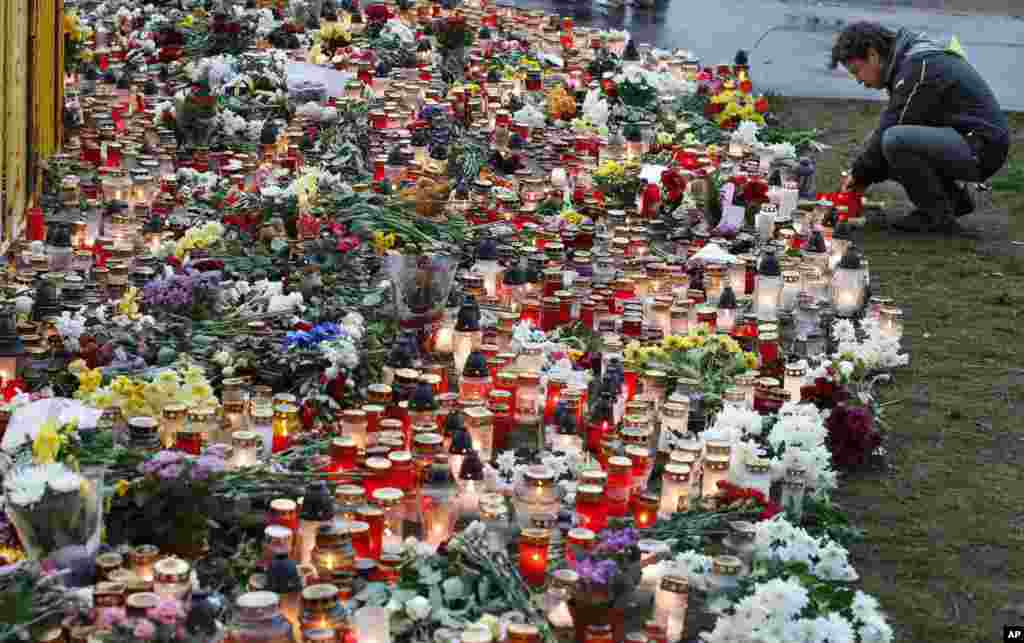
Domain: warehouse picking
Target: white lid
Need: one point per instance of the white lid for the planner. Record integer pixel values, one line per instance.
(258, 600)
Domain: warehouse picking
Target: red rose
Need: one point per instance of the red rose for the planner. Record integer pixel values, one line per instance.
(761, 105)
(746, 86)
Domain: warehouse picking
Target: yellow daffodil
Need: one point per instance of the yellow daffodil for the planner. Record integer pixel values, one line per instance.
(187, 22)
(688, 343)
(571, 216)
(194, 374)
(730, 345)
(46, 446)
(382, 242)
(122, 487)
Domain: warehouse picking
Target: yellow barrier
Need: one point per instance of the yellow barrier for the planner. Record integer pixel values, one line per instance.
(31, 101)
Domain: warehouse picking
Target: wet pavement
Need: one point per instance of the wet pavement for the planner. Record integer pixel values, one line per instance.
(793, 40)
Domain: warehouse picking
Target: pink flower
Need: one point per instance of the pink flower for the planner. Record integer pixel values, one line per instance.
(108, 617)
(167, 612)
(144, 629)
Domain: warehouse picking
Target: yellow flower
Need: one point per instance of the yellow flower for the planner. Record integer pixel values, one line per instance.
(730, 345)
(688, 343)
(122, 385)
(122, 487)
(382, 242)
(47, 443)
(102, 399)
(194, 374)
(750, 360)
(571, 216)
(673, 342)
(187, 22)
(129, 305)
(200, 392)
(76, 366)
(89, 380)
(632, 351)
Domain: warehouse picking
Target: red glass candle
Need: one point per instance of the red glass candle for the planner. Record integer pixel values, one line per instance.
(591, 507)
(552, 396)
(645, 511)
(378, 169)
(595, 435)
(374, 517)
(552, 281)
(550, 313)
(343, 452)
(632, 377)
(620, 483)
(533, 555)
(284, 512)
(361, 542)
(191, 442)
(403, 476)
(632, 326)
(374, 413)
(764, 402)
(770, 354)
(530, 312)
(587, 310)
(378, 474)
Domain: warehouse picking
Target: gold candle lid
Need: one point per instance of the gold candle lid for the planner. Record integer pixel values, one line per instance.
(535, 536)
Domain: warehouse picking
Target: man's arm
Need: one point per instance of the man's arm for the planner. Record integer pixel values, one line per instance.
(916, 97)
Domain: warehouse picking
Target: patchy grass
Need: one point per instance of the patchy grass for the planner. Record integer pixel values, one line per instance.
(944, 526)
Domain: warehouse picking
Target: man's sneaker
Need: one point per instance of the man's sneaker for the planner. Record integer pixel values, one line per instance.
(962, 200)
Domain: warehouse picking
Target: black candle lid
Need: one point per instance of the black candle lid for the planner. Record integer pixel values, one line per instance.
(727, 299)
(283, 576)
(317, 504)
(476, 365)
(472, 467)
(462, 442)
(422, 398)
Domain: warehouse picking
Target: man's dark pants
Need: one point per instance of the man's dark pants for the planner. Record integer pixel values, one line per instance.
(927, 161)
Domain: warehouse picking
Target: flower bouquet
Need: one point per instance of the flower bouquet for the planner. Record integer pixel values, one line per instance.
(170, 504)
(58, 513)
(608, 576)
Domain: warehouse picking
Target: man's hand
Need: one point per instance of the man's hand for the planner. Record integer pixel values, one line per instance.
(850, 184)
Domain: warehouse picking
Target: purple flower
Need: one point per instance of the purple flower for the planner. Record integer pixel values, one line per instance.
(207, 465)
(599, 572)
(159, 461)
(171, 471)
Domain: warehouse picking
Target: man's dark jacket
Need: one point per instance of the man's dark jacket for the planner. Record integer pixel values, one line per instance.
(933, 86)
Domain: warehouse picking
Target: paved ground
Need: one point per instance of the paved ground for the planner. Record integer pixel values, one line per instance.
(793, 38)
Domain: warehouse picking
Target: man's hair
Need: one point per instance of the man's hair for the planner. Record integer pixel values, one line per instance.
(857, 38)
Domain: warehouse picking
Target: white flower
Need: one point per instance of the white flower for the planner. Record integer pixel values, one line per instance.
(846, 368)
(417, 608)
(222, 357)
(506, 462)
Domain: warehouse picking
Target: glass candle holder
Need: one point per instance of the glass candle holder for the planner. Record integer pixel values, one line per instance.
(347, 499)
(261, 422)
(533, 555)
(670, 605)
(725, 574)
(247, 448)
(284, 512)
(890, 322)
(143, 560)
(277, 540)
(528, 403)
(172, 578)
(480, 425)
(793, 490)
(354, 425)
(620, 480)
(322, 611)
(758, 476)
(591, 508)
(333, 553)
(259, 618)
(715, 469)
(675, 490)
(645, 511)
(172, 420)
(389, 500)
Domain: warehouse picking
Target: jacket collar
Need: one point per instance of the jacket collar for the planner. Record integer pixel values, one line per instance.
(907, 45)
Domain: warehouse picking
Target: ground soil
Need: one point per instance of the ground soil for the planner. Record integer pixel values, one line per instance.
(943, 517)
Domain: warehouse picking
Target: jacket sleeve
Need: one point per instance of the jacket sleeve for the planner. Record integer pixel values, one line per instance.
(915, 99)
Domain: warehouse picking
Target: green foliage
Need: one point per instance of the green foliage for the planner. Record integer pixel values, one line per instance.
(824, 519)
(1012, 180)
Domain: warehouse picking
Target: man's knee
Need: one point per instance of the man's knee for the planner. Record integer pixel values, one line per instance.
(895, 144)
